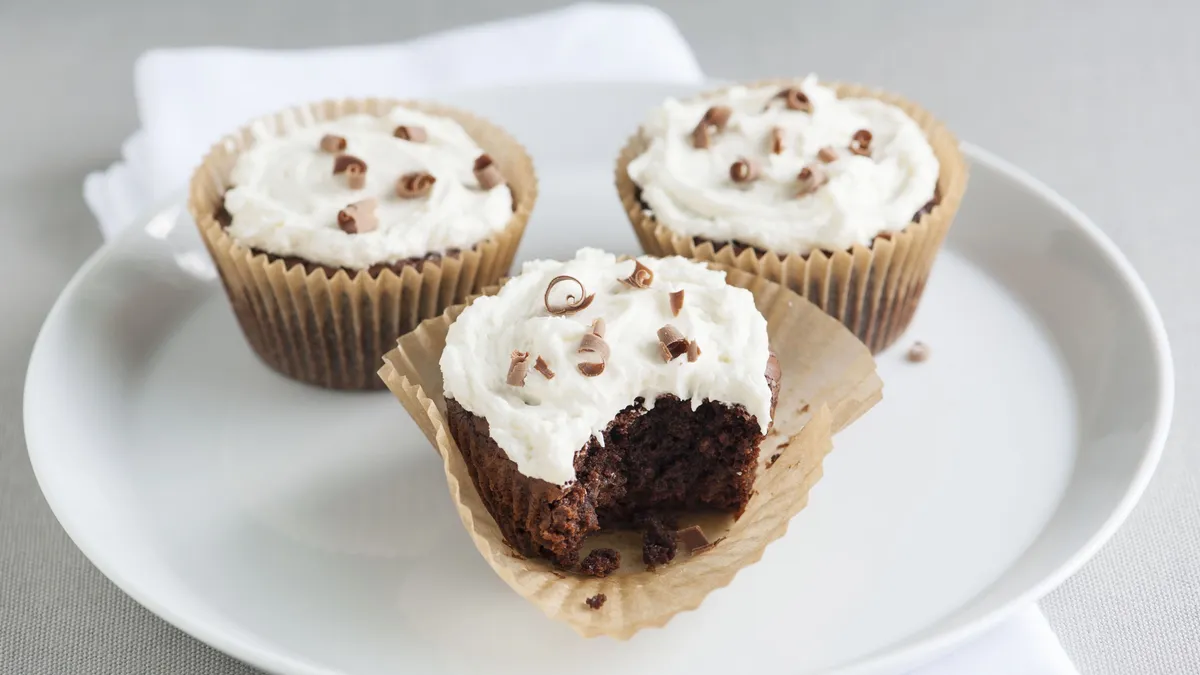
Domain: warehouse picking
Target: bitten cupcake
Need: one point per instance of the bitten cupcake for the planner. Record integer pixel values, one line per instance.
(597, 393)
(838, 192)
(339, 226)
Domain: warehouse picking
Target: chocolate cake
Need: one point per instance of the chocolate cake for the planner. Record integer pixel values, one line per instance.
(671, 455)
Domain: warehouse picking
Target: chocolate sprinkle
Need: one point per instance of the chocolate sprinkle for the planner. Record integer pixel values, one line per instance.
(641, 277)
(574, 303)
(676, 302)
(542, 367)
(518, 368)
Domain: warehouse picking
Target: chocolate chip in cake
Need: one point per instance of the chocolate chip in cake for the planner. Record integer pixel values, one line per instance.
(487, 173)
(596, 601)
(411, 133)
(331, 143)
(860, 144)
(601, 562)
(918, 352)
(358, 217)
(671, 342)
(691, 537)
(641, 277)
(542, 367)
(810, 178)
(827, 154)
(676, 302)
(518, 368)
(744, 170)
(414, 185)
(658, 542)
(572, 302)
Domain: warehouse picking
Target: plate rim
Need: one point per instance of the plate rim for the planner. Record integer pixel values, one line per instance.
(904, 654)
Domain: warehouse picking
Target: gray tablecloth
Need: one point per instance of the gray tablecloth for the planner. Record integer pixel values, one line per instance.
(1099, 99)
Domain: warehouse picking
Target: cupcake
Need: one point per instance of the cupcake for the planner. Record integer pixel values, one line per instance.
(840, 193)
(600, 393)
(339, 226)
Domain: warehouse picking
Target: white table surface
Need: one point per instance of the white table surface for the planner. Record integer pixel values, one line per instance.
(1098, 99)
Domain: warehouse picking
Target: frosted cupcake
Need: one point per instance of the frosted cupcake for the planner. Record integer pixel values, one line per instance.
(339, 226)
(840, 193)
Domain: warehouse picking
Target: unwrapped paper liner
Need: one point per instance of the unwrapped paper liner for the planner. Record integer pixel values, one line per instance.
(331, 331)
(874, 290)
(828, 381)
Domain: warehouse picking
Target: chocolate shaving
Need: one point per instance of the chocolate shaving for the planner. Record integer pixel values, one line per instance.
(414, 185)
(810, 178)
(598, 327)
(744, 170)
(827, 154)
(596, 601)
(593, 344)
(331, 143)
(358, 217)
(795, 99)
(542, 367)
(718, 116)
(776, 140)
(574, 303)
(412, 134)
(671, 342)
(591, 369)
(354, 168)
(518, 368)
(641, 277)
(773, 371)
(693, 351)
(676, 302)
(860, 144)
(487, 173)
(691, 537)
(707, 547)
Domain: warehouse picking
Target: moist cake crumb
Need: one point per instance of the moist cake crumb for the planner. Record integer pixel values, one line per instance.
(601, 562)
(596, 601)
(658, 542)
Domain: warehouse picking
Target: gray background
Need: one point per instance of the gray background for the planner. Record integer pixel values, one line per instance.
(1099, 99)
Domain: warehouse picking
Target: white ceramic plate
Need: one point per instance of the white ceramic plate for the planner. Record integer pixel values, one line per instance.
(307, 531)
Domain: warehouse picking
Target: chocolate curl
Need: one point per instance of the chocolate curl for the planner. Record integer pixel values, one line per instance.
(591, 343)
(590, 369)
(676, 302)
(693, 351)
(358, 217)
(574, 303)
(331, 143)
(518, 368)
(671, 342)
(795, 99)
(487, 173)
(860, 144)
(776, 141)
(744, 170)
(810, 178)
(598, 327)
(544, 368)
(827, 154)
(641, 277)
(414, 185)
(701, 136)
(354, 168)
(412, 134)
(718, 116)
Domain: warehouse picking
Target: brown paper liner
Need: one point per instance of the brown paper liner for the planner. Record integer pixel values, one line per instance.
(828, 381)
(332, 330)
(874, 290)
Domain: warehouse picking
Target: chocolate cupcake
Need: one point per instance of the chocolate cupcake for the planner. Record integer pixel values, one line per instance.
(840, 193)
(339, 226)
(598, 393)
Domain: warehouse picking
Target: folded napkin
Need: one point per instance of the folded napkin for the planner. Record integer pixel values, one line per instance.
(587, 42)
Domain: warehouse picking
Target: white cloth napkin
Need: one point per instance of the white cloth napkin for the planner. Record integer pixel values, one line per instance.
(587, 42)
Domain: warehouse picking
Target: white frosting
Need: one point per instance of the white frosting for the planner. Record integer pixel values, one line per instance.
(689, 190)
(544, 423)
(286, 197)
